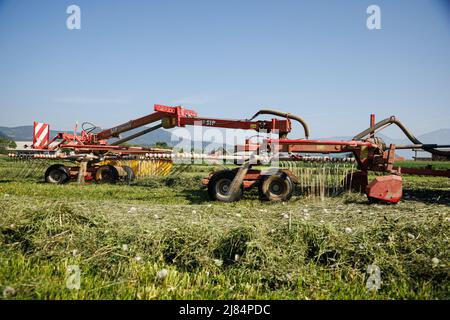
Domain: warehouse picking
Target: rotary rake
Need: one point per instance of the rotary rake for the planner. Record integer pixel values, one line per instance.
(369, 153)
(94, 158)
(274, 166)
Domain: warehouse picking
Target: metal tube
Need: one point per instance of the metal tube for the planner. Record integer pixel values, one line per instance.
(130, 125)
(372, 123)
(420, 146)
(409, 135)
(138, 134)
(286, 115)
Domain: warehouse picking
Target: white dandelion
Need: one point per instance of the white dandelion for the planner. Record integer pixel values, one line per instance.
(435, 261)
(218, 262)
(132, 210)
(9, 291)
(162, 274)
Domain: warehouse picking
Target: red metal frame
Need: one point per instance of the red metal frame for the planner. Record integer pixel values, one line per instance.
(370, 156)
(281, 126)
(161, 113)
(171, 117)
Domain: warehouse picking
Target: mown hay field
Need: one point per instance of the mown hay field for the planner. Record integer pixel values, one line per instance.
(162, 238)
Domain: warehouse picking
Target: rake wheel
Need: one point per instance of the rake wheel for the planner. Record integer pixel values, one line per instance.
(219, 186)
(276, 187)
(106, 174)
(56, 174)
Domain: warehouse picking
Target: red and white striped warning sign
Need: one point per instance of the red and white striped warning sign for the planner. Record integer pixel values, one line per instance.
(41, 134)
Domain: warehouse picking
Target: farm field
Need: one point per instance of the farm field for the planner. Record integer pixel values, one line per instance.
(162, 238)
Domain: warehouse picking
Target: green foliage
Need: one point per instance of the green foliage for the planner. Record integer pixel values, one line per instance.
(162, 145)
(438, 165)
(4, 142)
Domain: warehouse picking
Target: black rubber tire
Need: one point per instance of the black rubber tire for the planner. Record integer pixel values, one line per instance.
(56, 174)
(106, 174)
(130, 174)
(218, 187)
(276, 187)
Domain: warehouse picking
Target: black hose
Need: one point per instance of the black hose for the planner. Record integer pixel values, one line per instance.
(286, 115)
(409, 135)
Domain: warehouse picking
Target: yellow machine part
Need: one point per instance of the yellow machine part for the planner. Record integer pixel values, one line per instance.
(144, 168)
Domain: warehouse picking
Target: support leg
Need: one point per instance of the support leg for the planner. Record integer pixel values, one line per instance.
(235, 185)
(82, 172)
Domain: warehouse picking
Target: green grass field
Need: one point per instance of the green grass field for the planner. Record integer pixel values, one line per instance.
(438, 165)
(162, 239)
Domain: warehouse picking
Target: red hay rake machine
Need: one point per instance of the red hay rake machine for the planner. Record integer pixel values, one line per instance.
(99, 160)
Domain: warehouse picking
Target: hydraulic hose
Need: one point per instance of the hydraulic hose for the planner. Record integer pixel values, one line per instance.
(286, 115)
(409, 135)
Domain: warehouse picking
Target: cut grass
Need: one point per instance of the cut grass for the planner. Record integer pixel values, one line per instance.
(121, 236)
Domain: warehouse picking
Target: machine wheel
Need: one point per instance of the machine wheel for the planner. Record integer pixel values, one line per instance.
(56, 174)
(276, 187)
(106, 174)
(219, 185)
(130, 174)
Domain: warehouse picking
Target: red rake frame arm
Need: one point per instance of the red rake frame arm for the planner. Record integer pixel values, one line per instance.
(369, 156)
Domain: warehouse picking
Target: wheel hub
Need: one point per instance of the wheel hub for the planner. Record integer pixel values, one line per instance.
(224, 186)
(276, 188)
(56, 175)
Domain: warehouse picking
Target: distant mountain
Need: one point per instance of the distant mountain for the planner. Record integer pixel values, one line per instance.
(441, 136)
(159, 135)
(22, 133)
(4, 136)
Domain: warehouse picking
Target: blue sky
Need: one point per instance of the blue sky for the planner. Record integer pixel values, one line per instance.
(226, 59)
